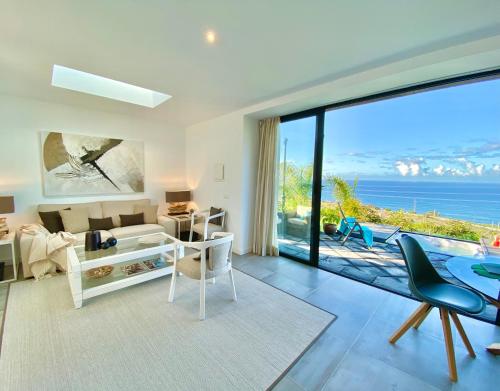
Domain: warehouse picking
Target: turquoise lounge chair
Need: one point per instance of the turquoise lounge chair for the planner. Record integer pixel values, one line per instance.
(348, 225)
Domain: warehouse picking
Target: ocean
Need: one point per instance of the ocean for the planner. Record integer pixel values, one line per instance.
(474, 202)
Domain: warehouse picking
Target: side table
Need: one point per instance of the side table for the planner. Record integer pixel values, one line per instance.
(8, 264)
(179, 219)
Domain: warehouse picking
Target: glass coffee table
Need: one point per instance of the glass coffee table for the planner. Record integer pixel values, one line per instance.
(131, 261)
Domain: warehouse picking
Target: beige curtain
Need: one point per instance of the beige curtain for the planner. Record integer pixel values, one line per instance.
(265, 232)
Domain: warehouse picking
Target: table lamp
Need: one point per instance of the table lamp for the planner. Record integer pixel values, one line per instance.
(6, 206)
(177, 201)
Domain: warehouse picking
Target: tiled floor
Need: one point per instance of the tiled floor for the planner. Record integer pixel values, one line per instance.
(381, 266)
(353, 353)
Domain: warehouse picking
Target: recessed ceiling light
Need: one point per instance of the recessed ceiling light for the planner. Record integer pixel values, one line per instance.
(72, 79)
(210, 36)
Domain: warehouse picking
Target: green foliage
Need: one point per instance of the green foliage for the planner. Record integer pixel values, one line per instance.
(297, 192)
(430, 225)
(399, 218)
(329, 213)
(342, 191)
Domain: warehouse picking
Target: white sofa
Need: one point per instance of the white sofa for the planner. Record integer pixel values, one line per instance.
(98, 210)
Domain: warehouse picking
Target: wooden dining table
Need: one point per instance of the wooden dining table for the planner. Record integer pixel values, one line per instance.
(460, 267)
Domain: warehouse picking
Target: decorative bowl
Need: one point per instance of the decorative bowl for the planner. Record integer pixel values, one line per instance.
(99, 272)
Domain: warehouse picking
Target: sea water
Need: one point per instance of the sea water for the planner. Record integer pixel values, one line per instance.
(470, 201)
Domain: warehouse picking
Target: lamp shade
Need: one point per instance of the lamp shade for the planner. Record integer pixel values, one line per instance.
(6, 204)
(178, 196)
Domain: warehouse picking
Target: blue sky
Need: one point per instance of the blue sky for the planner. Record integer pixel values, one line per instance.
(446, 134)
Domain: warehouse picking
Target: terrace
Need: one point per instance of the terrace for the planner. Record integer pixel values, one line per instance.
(381, 266)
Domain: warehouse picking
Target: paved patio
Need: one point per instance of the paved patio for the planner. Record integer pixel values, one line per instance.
(381, 266)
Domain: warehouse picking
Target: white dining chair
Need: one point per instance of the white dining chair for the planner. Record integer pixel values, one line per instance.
(205, 265)
(212, 220)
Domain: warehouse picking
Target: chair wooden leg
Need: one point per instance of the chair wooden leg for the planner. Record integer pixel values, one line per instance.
(417, 324)
(409, 322)
(461, 331)
(231, 278)
(172, 287)
(450, 351)
(202, 299)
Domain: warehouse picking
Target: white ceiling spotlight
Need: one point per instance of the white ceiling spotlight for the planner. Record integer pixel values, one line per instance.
(73, 79)
(210, 36)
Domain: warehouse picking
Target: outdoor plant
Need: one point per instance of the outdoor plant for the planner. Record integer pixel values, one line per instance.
(329, 213)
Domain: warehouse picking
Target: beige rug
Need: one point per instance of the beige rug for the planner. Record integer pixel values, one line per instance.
(134, 339)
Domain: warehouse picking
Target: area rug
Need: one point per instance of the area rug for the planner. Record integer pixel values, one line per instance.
(133, 339)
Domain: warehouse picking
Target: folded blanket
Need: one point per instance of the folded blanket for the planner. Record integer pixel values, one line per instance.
(47, 251)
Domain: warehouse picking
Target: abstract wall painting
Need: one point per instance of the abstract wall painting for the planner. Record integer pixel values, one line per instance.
(76, 164)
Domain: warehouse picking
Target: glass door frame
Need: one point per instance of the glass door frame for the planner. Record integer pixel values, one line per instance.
(319, 113)
(316, 182)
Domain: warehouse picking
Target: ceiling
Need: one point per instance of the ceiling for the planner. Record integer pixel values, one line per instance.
(264, 49)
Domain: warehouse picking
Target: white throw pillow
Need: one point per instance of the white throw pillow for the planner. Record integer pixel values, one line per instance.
(75, 220)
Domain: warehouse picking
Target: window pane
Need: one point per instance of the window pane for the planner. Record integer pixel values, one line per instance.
(295, 186)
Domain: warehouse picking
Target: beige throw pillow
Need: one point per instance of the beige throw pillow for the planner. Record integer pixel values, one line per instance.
(75, 220)
(150, 213)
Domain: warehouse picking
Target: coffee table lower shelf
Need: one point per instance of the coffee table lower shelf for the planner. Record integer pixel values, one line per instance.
(98, 290)
(83, 287)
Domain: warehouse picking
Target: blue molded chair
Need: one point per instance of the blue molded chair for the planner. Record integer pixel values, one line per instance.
(348, 225)
(434, 291)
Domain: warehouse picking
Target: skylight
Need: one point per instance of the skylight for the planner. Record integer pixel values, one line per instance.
(72, 79)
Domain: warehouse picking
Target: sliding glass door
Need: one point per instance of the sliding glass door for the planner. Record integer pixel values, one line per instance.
(295, 192)
(422, 159)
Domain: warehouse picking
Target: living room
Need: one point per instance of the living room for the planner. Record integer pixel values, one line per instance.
(156, 153)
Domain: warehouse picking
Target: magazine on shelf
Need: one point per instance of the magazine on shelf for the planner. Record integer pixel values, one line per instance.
(153, 264)
(134, 268)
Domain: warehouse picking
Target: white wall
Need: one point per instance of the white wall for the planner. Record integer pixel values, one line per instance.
(229, 140)
(250, 156)
(20, 160)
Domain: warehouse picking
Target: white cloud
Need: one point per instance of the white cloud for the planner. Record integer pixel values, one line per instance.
(412, 168)
(439, 170)
(402, 167)
(470, 167)
(456, 172)
(496, 167)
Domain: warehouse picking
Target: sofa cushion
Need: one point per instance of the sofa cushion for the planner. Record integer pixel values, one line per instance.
(150, 213)
(52, 221)
(105, 223)
(303, 211)
(75, 220)
(80, 236)
(114, 209)
(297, 221)
(134, 219)
(136, 230)
(94, 208)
